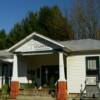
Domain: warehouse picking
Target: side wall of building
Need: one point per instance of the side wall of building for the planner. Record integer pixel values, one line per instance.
(76, 72)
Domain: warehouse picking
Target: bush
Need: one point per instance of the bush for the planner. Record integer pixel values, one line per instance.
(5, 89)
(26, 86)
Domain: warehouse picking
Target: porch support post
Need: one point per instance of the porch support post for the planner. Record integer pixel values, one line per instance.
(40, 78)
(15, 82)
(62, 83)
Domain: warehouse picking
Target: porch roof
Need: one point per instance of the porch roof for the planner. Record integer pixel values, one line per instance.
(5, 54)
(51, 44)
(71, 46)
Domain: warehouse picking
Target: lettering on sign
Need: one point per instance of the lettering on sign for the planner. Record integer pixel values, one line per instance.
(33, 45)
(39, 46)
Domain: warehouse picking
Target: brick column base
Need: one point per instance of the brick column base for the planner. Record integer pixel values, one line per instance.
(14, 89)
(61, 90)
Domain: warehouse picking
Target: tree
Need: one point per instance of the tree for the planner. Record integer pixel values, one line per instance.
(29, 24)
(48, 21)
(85, 20)
(53, 24)
(15, 34)
(22, 29)
(2, 39)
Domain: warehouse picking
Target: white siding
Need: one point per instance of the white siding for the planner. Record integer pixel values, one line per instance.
(76, 72)
(0, 82)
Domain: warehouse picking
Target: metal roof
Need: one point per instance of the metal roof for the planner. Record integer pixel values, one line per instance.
(81, 45)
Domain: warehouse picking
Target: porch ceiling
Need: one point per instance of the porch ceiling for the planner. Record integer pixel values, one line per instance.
(41, 60)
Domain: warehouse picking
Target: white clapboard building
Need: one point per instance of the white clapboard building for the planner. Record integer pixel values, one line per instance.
(41, 59)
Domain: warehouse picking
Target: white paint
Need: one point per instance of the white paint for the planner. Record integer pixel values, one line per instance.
(91, 80)
(40, 76)
(0, 82)
(33, 45)
(32, 54)
(61, 67)
(7, 60)
(15, 68)
(30, 37)
(76, 72)
(99, 85)
(23, 79)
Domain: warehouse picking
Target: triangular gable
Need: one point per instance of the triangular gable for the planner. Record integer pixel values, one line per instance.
(35, 42)
(33, 45)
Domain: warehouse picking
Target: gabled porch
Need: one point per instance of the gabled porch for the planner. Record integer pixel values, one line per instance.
(38, 73)
(40, 61)
(40, 69)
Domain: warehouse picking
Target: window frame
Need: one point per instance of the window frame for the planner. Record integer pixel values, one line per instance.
(92, 71)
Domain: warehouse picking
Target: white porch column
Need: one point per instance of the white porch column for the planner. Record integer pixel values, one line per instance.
(40, 75)
(40, 87)
(62, 83)
(14, 82)
(61, 67)
(15, 68)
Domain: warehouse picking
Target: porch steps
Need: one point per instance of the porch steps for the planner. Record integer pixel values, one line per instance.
(49, 98)
(34, 92)
(20, 97)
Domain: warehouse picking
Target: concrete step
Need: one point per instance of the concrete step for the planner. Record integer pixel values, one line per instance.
(35, 98)
(35, 92)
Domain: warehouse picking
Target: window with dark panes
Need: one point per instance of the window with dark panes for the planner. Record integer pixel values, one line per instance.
(92, 65)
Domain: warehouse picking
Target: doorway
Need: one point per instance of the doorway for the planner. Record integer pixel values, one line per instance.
(50, 75)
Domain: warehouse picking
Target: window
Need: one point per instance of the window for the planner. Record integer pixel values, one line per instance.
(92, 65)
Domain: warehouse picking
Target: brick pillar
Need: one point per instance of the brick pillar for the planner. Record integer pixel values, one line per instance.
(62, 83)
(14, 89)
(62, 90)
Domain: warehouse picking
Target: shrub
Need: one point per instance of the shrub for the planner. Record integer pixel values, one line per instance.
(26, 86)
(5, 91)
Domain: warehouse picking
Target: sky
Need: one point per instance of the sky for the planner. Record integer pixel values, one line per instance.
(13, 11)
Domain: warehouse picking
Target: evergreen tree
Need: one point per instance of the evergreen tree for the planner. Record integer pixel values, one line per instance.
(2, 39)
(53, 24)
(48, 21)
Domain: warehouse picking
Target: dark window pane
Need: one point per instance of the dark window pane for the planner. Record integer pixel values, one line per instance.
(92, 65)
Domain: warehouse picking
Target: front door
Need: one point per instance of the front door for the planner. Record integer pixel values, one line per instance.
(50, 75)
